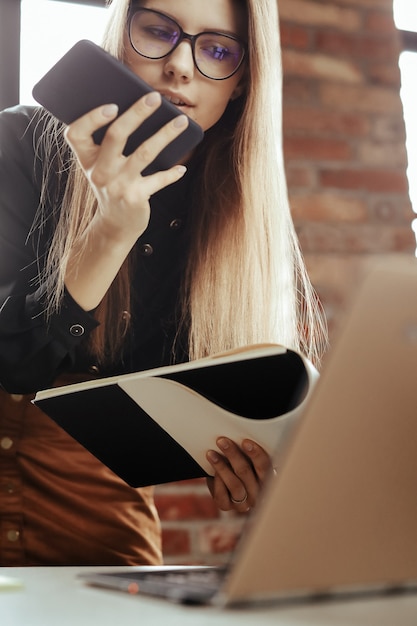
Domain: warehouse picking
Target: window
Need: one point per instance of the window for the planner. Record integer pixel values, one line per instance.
(48, 30)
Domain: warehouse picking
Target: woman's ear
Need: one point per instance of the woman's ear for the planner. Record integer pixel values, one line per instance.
(237, 92)
(240, 88)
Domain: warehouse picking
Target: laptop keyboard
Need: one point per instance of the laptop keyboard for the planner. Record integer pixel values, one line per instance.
(212, 577)
(184, 585)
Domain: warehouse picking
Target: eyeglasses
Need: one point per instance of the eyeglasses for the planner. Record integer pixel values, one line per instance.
(154, 35)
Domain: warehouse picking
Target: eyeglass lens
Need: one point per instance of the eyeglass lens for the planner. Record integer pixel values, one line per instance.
(154, 36)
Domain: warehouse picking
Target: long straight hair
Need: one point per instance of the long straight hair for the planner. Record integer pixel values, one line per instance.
(245, 280)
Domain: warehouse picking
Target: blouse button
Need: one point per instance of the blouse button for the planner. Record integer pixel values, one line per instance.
(77, 330)
(146, 249)
(13, 535)
(175, 224)
(6, 443)
(93, 369)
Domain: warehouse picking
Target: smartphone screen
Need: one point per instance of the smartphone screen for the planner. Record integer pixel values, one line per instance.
(87, 77)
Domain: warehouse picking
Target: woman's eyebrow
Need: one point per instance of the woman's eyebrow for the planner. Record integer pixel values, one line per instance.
(202, 29)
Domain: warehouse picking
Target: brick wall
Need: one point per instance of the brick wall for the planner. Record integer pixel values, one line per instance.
(344, 142)
(344, 139)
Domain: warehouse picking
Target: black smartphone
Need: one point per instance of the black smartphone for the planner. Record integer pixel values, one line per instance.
(87, 77)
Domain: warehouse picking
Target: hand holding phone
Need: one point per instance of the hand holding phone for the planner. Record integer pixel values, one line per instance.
(87, 77)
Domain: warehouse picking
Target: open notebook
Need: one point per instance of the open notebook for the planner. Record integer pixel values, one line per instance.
(156, 426)
(341, 516)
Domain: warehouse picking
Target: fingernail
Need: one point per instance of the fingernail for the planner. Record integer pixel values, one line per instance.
(248, 446)
(152, 98)
(109, 110)
(223, 443)
(180, 121)
(213, 456)
(181, 169)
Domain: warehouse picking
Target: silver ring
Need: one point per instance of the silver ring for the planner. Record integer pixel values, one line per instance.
(239, 501)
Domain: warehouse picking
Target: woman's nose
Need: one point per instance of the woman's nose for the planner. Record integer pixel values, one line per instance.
(180, 62)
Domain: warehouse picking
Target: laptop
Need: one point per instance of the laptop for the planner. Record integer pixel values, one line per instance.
(340, 517)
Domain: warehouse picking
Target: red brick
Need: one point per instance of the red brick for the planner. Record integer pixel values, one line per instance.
(404, 240)
(175, 542)
(380, 22)
(321, 66)
(362, 4)
(379, 153)
(355, 239)
(311, 12)
(316, 149)
(219, 539)
(328, 207)
(342, 44)
(385, 74)
(185, 506)
(388, 127)
(329, 122)
(383, 180)
(392, 208)
(294, 36)
(298, 90)
(364, 98)
(405, 208)
(298, 176)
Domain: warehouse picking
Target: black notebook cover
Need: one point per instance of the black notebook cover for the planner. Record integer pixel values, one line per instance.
(251, 394)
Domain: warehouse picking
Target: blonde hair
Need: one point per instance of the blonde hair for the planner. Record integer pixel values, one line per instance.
(246, 281)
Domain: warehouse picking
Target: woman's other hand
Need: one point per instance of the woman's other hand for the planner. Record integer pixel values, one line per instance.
(240, 473)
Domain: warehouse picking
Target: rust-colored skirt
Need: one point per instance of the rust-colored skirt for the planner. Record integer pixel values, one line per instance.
(59, 505)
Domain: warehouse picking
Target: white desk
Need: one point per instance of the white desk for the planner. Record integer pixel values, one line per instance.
(54, 597)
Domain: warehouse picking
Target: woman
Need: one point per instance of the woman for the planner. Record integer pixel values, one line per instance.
(106, 271)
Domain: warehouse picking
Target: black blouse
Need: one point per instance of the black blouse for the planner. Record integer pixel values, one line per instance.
(32, 352)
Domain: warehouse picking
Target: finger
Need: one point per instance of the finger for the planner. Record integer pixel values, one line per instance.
(147, 152)
(221, 495)
(261, 461)
(231, 491)
(117, 134)
(114, 141)
(109, 160)
(79, 134)
(162, 179)
(242, 467)
(210, 484)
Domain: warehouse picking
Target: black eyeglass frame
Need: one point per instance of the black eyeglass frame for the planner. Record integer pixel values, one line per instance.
(183, 35)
